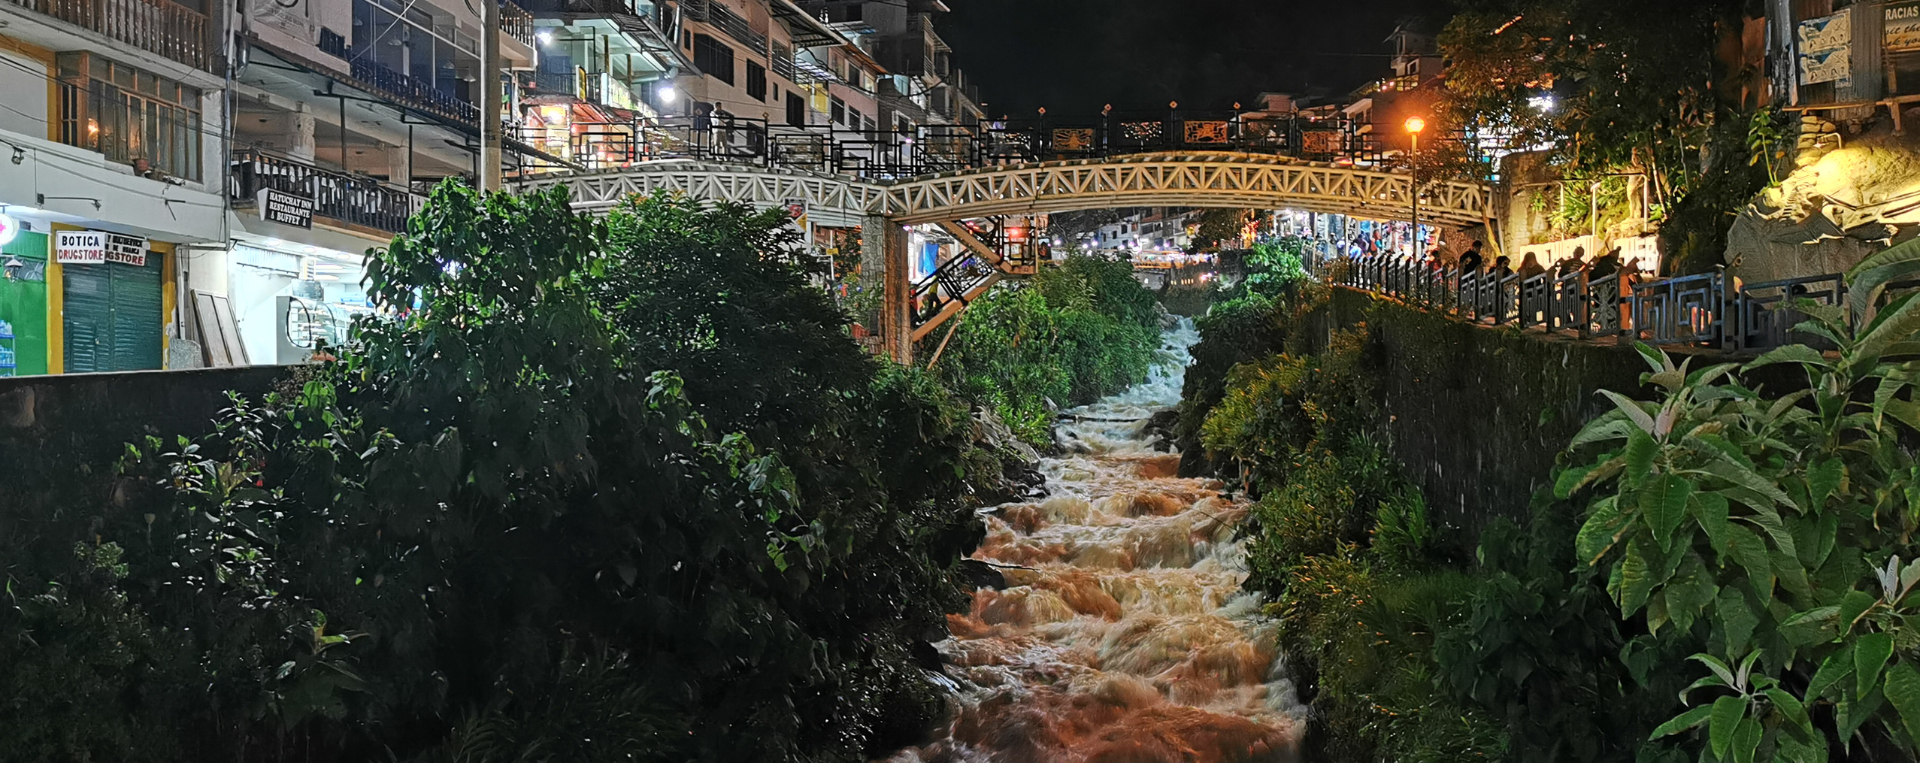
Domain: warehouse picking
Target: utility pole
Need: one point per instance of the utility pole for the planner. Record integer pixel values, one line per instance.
(1414, 126)
(490, 97)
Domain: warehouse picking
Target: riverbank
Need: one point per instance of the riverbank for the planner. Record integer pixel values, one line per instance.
(1576, 587)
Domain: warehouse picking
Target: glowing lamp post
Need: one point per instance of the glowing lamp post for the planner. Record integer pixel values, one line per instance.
(1414, 125)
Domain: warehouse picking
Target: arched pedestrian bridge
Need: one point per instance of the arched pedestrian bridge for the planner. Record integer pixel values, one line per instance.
(1170, 179)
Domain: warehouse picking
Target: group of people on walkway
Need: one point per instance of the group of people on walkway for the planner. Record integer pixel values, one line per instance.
(1474, 261)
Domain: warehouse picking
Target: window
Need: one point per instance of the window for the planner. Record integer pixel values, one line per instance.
(686, 40)
(756, 81)
(853, 118)
(713, 58)
(796, 110)
(838, 112)
(128, 114)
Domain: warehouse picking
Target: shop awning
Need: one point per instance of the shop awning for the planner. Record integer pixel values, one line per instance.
(808, 32)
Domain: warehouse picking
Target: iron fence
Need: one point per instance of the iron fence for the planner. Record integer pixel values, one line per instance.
(1707, 310)
(932, 149)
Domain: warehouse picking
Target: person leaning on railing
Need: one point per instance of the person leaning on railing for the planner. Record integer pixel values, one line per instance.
(1471, 261)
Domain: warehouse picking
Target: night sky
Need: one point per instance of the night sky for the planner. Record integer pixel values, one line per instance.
(1076, 55)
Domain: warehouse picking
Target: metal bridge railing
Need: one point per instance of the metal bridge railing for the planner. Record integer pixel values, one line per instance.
(932, 149)
(1707, 310)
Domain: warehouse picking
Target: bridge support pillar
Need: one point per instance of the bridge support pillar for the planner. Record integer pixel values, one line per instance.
(883, 265)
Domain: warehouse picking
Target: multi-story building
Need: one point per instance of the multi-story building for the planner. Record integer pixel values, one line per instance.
(189, 182)
(346, 112)
(922, 86)
(604, 69)
(113, 168)
(1376, 111)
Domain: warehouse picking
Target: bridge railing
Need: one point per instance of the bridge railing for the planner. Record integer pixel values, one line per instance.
(930, 149)
(1711, 310)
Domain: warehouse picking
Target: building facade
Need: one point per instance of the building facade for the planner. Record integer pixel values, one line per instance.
(196, 182)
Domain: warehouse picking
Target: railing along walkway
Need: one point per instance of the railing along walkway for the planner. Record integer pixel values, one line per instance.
(1707, 310)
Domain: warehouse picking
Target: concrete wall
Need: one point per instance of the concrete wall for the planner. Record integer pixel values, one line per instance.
(61, 435)
(1477, 415)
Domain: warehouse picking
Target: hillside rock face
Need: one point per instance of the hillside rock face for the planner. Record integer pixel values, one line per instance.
(1843, 201)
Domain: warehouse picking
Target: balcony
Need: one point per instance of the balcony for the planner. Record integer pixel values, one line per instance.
(156, 26)
(516, 22)
(344, 199)
(413, 92)
(726, 21)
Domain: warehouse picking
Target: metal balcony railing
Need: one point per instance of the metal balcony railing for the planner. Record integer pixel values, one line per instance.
(516, 22)
(156, 26)
(726, 21)
(350, 199)
(413, 92)
(562, 83)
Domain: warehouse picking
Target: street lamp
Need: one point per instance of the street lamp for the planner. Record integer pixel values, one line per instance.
(1414, 125)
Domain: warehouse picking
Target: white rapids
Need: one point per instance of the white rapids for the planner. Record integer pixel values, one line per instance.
(1122, 635)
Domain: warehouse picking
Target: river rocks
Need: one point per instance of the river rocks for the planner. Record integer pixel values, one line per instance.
(976, 574)
(1159, 429)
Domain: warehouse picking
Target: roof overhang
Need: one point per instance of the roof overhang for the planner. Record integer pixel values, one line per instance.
(807, 31)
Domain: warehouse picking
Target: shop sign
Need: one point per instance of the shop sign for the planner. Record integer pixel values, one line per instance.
(284, 208)
(92, 247)
(1902, 27)
(127, 250)
(80, 247)
(9, 228)
(1826, 49)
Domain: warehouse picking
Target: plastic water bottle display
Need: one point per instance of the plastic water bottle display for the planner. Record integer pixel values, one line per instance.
(6, 330)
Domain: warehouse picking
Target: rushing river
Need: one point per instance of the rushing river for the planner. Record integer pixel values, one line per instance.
(1122, 635)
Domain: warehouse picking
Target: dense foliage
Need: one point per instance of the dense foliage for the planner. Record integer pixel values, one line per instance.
(1722, 573)
(1072, 334)
(594, 491)
(1776, 532)
(1249, 320)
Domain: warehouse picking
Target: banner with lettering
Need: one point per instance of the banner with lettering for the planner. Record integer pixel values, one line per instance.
(1903, 26)
(1826, 48)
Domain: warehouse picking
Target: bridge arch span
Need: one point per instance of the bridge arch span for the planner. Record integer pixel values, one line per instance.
(1184, 179)
(1187, 179)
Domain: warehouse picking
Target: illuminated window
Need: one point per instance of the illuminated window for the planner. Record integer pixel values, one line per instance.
(128, 114)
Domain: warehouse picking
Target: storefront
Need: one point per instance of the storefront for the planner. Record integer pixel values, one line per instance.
(23, 299)
(288, 301)
(114, 297)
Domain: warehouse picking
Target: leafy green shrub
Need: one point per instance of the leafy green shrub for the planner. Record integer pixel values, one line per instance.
(596, 490)
(1071, 335)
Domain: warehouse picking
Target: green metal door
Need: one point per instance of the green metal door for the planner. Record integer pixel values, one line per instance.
(113, 316)
(136, 315)
(88, 316)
